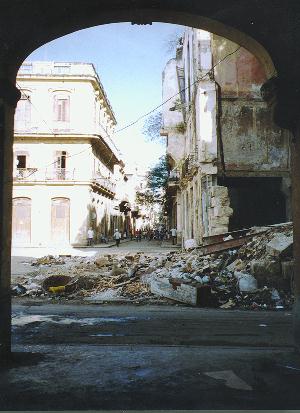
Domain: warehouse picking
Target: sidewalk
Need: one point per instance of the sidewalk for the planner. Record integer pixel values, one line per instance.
(102, 245)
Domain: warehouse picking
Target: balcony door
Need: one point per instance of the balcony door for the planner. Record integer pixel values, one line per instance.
(21, 222)
(60, 220)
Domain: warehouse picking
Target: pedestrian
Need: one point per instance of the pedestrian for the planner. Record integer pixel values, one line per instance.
(174, 236)
(117, 237)
(90, 236)
(103, 239)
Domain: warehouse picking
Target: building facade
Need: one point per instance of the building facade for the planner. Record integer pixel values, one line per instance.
(66, 166)
(229, 165)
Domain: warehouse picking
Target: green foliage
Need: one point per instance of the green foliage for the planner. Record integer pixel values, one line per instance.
(158, 176)
(152, 127)
(180, 127)
(145, 198)
(157, 179)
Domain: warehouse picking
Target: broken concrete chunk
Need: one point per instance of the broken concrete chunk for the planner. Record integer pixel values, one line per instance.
(190, 243)
(182, 292)
(265, 268)
(280, 245)
(117, 270)
(237, 265)
(102, 262)
(247, 282)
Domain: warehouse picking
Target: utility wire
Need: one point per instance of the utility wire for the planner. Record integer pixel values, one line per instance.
(54, 133)
(134, 122)
(178, 93)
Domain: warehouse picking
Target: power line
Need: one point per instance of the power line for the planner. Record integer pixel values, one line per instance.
(176, 94)
(134, 122)
(54, 133)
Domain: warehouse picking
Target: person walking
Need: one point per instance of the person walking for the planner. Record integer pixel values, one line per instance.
(117, 237)
(90, 237)
(174, 236)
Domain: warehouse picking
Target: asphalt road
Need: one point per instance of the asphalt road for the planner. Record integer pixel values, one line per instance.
(149, 357)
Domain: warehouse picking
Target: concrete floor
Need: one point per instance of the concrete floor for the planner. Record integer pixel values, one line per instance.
(149, 357)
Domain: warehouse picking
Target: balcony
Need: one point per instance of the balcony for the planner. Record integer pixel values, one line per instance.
(24, 174)
(190, 166)
(104, 183)
(59, 174)
(35, 174)
(101, 183)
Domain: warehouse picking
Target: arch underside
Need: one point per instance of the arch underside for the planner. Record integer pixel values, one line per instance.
(69, 17)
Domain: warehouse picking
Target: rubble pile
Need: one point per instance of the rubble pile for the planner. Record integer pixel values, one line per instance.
(100, 278)
(257, 275)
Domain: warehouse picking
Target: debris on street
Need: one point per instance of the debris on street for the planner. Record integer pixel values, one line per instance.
(256, 274)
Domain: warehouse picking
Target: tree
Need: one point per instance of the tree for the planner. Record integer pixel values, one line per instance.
(152, 127)
(157, 177)
(155, 191)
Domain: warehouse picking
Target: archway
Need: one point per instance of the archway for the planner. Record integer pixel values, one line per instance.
(88, 15)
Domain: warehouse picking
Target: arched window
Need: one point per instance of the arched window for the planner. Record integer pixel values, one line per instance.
(21, 221)
(61, 107)
(60, 220)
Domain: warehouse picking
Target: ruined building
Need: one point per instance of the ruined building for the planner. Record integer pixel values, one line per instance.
(229, 164)
(67, 169)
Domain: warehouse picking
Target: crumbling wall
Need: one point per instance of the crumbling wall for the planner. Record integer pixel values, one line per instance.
(251, 143)
(219, 211)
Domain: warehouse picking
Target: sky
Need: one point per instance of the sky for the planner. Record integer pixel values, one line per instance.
(129, 60)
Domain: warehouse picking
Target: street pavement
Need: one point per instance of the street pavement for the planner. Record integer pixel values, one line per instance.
(75, 356)
(149, 357)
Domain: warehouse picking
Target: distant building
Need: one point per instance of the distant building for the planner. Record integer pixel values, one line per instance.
(229, 165)
(142, 216)
(66, 165)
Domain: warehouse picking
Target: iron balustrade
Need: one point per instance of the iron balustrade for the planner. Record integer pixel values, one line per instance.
(104, 182)
(25, 174)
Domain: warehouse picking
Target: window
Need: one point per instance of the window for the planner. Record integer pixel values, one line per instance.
(23, 113)
(61, 159)
(62, 108)
(60, 165)
(21, 161)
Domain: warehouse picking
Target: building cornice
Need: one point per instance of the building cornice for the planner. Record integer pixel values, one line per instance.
(72, 78)
(101, 149)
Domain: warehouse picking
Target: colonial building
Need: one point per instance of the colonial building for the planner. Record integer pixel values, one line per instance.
(66, 164)
(229, 165)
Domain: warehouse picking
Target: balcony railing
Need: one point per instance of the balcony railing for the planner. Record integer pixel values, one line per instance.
(25, 173)
(59, 174)
(104, 182)
(35, 174)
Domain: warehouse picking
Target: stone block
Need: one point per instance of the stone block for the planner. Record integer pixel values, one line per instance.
(265, 268)
(280, 246)
(177, 290)
(222, 229)
(219, 202)
(219, 191)
(223, 211)
(220, 222)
